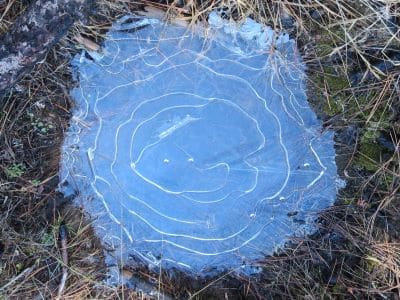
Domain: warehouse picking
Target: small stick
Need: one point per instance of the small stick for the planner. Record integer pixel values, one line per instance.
(63, 238)
(21, 275)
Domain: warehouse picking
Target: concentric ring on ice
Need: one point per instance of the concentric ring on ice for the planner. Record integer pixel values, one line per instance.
(196, 149)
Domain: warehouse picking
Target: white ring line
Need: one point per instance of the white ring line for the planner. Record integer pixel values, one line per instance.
(143, 103)
(207, 253)
(152, 226)
(273, 115)
(113, 218)
(157, 230)
(291, 97)
(210, 100)
(283, 101)
(155, 210)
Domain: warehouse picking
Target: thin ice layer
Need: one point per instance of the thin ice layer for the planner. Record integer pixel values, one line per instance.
(196, 150)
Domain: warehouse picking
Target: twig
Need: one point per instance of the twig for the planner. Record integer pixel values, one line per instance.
(63, 238)
(211, 283)
(23, 274)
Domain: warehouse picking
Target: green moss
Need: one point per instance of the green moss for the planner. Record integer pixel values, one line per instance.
(15, 170)
(332, 107)
(328, 39)
(332, 82)
(334, 85)
(348, 201)
(323, 49)
(48, 239)
(336, 80)
(365, 107)
(387, 179)
(338, 289)
(370, 135)
(369, 154)
(371, 263)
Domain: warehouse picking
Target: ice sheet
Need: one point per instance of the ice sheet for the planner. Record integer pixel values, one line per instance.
(196, 149)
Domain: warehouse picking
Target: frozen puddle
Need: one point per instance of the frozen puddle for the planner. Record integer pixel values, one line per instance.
(196, 150)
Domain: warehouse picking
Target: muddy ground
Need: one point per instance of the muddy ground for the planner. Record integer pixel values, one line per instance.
(353, 86)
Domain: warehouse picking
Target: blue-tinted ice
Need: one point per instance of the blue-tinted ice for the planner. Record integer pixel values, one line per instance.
(197, 150)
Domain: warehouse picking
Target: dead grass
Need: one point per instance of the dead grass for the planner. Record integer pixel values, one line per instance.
(352, 51)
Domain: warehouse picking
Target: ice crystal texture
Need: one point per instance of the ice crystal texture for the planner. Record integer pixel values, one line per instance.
(196, 149)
